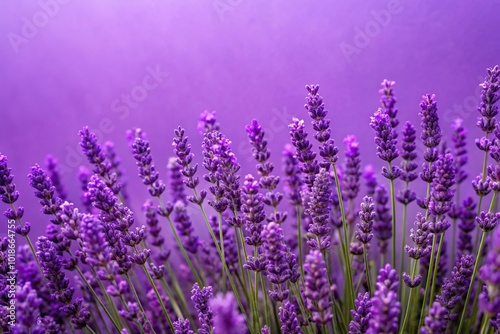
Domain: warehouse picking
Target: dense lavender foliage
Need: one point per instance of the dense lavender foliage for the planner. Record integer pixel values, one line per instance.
(311, 251)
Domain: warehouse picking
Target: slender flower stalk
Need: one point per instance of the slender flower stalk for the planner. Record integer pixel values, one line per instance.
(385, 138)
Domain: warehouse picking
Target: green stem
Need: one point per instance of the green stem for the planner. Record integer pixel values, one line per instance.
(436, 265)
(348, 279)
(474, 272)
(407, 310)
(367, 270)
(427, 283)
(393, 212)
(484, 326)
(299, 237)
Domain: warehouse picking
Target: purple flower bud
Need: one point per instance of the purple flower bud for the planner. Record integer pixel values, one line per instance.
(304, 152)
(487, 221)
(53, 170)
(389, 101)
(185, 158)
(318, 210)
(431, 134)
(317, 291)
(385, 307)
(467, 224)
(489, 97)
(382, 228)
(45, 191)
(442, 186)
(208, 122)
(288, 319)
(201, 299)
(361, 315)
(253, 209)
(352, 171)
(455, 287)
(176, 184)
(185, 228)
(420, 236)
(316, 110)
(147, 171)
(385, 136)
(459, 138)
(436, 321)
(293, 177)
(182, 326)
(367, 215)
(277, 269)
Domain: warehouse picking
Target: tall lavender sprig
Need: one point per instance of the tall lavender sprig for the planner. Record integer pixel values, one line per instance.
(277, 268)
(364, 234)
(319, 209)
(288, 319)
(175, 181)
(317, 291)
(385, 307)
(95, 155)
(436, 321)
(385, 138)
(201, 298)
(53, 170)
(147, 171)
(361, 315)
(316, 110)
(389, 101)
(304, 152)
(352, 171)
(45, 191)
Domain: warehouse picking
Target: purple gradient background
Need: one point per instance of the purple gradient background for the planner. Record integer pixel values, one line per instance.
(253, 63)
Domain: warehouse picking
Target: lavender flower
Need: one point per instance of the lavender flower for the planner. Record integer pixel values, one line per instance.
(84, 178)
(389, 101)
(253, 209)
(93, 151)
(361, 315)
(460, 151)
(431, 132)
(185, 228)
(176, 184)
(352, 171)
(317, 291)
(382, 228)
(182, 326)
(455, 287)
(408, 166)
(316, 109)
(152, 222)
(293, 177)
(489, 96)
(8, 192)
(304, 151)
(45, 191)
(208, 122)
(421, 237)
(226, 318)
(288, 319)
(442, 186)
(367, 216)
(487, 221)
(27, 309)
(277, 268)
(467, 224)
(318, 209)
(436, 321)
(54, 174)
(385, 138)
(201, 299)
(489, 274)
(385, 307)
(147, 171)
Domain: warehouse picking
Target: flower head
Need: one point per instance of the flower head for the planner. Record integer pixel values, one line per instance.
(317, 291)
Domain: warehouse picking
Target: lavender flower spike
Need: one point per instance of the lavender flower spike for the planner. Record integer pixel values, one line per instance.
(385, 138)
(176, 183)
(385, 305)
(442, 186)
(316, 109)
(54, 174)
(201, 299)
(361, 315)
(45, 191)
(304, 151)
(489, 96)
(436, 321)
(317, 291)
(147, 172)
(319, 209)
(389, 101)
(352, 171)
(277, 268)
(182, 326)
(226, 316)
(490, 275)
(367, 216)
(288, 319)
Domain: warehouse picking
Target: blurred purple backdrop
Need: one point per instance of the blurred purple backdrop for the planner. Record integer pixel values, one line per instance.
(66, 64)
